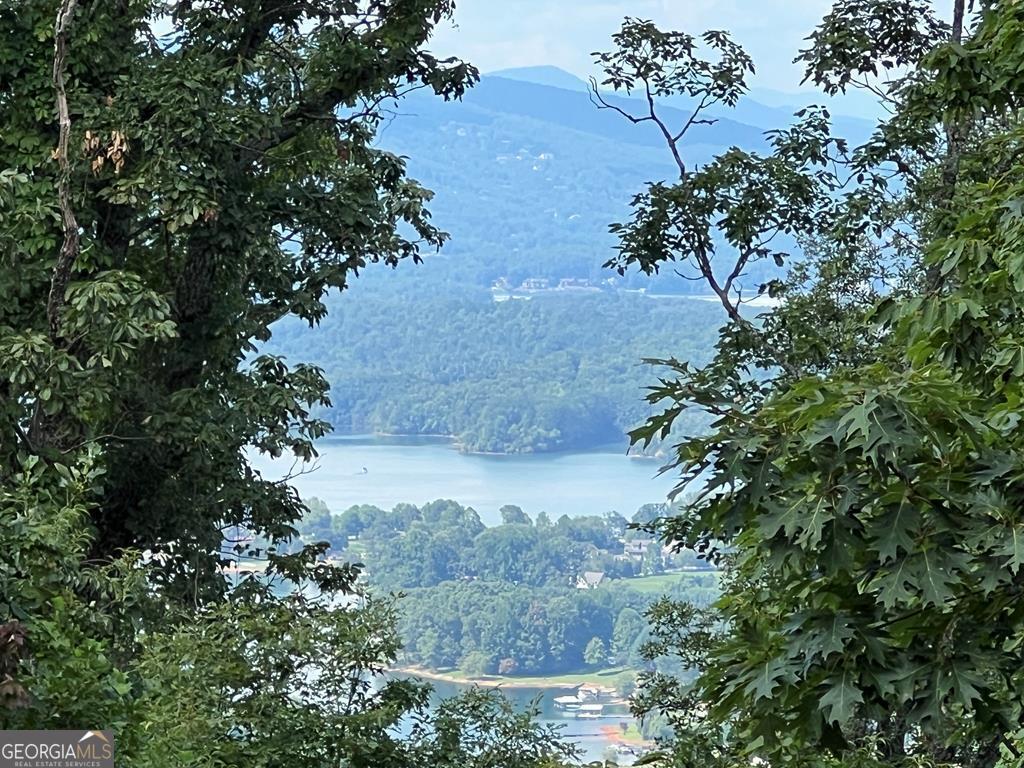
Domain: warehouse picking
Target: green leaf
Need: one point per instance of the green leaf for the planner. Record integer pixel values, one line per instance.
(839, 631)
(933, 576)
(1013, 548)
(894, 531)
(841, 698)
(769, 676)
(966, 683)
(893, 584)
(785, 518)
(815, 522)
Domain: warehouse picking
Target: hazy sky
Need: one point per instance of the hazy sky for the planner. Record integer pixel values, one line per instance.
(496, 34)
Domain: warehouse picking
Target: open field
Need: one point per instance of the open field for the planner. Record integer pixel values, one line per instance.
(662, 582)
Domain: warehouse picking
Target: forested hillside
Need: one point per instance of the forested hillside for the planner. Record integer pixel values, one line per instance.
(761, 107)
(508, 598)
(560, 370)
(184, 185)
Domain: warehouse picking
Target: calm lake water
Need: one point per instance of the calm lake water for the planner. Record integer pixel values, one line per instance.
(418, 470)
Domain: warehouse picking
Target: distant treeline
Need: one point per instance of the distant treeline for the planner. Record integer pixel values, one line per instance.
(509, 598)
(556, 372)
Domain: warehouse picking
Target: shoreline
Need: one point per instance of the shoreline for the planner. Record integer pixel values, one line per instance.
(454, 444)
(613, 735)
(616, 736)
(498, 681)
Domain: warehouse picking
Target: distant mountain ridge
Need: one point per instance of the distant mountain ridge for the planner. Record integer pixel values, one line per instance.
(574, 109)
(529, 173)
(544, 74)
(762, 107)
(515, 337)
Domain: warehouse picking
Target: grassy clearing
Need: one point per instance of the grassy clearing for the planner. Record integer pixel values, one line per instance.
(356, 550)
(660, 583)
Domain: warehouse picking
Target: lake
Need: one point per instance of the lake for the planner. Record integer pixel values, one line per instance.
(418, 470)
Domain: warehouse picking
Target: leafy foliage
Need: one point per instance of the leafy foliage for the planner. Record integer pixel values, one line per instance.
(240, 195)
(861, 477)
(214, 172)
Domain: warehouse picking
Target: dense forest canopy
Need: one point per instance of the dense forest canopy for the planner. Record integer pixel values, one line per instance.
(553, 371)
(177, 177)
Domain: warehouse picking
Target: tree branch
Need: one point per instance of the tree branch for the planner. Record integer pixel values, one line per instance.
(672, 142)
(954, 130)
(322, 105)
(958, 20)
(70, 249)
(695, 119)
(599, 101)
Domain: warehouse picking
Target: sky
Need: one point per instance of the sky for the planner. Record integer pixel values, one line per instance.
(498, 34)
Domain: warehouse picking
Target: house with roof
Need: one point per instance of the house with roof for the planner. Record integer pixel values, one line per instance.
(637, 548)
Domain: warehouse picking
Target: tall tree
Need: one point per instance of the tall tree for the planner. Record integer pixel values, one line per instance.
(514, 515)
(174, 178)
(861, 479)
(216, 172)
(595, 654)
(629, 626)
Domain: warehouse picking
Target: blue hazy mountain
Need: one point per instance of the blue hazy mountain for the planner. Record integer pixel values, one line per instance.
(543, 75)
(573, 109)
(529, 175)
(853, 114)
